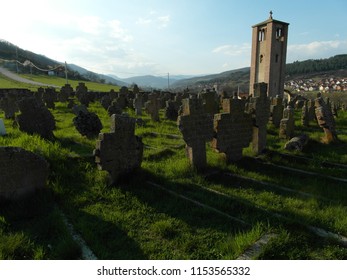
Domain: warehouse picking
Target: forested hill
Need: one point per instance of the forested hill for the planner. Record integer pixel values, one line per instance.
(336, 62)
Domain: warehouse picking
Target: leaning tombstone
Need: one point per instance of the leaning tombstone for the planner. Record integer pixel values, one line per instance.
(35, 118)
(2, 128)
(325, 120)
(120, 151)
(197, 128)
(21, 172)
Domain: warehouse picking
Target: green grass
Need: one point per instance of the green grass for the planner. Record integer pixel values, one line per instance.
(136, 220)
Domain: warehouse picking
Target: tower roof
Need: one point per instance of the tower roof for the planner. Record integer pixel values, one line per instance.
(270, 19)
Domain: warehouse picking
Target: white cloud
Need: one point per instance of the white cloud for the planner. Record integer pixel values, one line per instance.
(163, 21)
(153, 20)
(233, 50)
(118, 32)
(316, 49)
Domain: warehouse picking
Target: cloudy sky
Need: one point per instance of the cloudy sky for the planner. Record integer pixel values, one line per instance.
(138, 37)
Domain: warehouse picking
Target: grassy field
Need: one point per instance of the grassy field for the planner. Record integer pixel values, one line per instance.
(169, 211)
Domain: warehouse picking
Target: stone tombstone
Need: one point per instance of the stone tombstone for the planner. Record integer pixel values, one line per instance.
(2, 128)
(35, 118)
(39, 94)
(259, 107)
(297, 143)
(287, 125)
(120, 151)
(9, 105)
(87, 123)
(66, 92)
(21, 172)
(82, 94)
(197, 128)
(311, 110)
(233, 129)
(305, 118)
(114, 108)
(334, 109)
(152, 106)
(276, 110)
(106, 101)
(325, 120)
(210, 104)
(171, 110)
(138, 103)
(49, 97)
(71, 103)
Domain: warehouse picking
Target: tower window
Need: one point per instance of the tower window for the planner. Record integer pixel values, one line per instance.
(276, 58)
(279, 32)
(261, 34)
(261, 58)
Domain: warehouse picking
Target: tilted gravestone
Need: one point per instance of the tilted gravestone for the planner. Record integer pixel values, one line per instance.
(197, 128)
(259, 108)
(276, 111)
(35, 118)
(120, 151)
(287, 124)
(21, 172)
(87, 123)
(325, 120)
(233, 129)
(152, 106)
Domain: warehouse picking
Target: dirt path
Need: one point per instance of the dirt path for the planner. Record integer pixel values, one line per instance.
(17, 78)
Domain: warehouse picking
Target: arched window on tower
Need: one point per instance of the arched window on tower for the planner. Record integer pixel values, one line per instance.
(261, 34)
(276, 58)
(279, 32)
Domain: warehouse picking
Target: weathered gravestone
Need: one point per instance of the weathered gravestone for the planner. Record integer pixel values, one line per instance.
(9, 106)
(21, 172)
(276, 111)
(138, 103)
(210, 103)
(106, 101)
(49, 97)
(259, 108)
(35, 118)
(82, 94)
(287, 124)
(114, 108)
(297, 143)
(120, 151)
(2, 128)
(311, 110)
(87, 123)
(325, 120)
(171, 110)
(152, 106)
(197, 128)
(66, 91)
(305, 118)
(233, 129)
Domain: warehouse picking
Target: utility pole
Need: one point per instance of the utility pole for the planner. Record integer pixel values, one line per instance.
(66, 73)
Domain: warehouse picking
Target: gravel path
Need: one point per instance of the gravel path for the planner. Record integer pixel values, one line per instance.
(15, 77)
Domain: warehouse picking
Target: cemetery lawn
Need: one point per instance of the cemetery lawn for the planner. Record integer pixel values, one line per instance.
(167, 210)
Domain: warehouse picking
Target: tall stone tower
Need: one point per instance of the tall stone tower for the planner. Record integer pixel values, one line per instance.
(269, 51)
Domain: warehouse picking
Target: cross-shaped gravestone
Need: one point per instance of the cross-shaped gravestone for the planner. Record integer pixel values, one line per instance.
(82, 94)
(259, 107)
(66, 91)
(233, 129)
(114, 108)
(197, 128)
(152, 106)
(120, 151)
(49, 97)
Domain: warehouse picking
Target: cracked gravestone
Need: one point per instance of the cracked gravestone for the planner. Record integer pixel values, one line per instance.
(21, 172)
(197, 128)
(120, 151)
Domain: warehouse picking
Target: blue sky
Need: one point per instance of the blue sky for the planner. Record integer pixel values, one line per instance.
(137, 37)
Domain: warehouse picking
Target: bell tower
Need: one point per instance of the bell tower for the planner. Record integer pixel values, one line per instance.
(268, 59)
